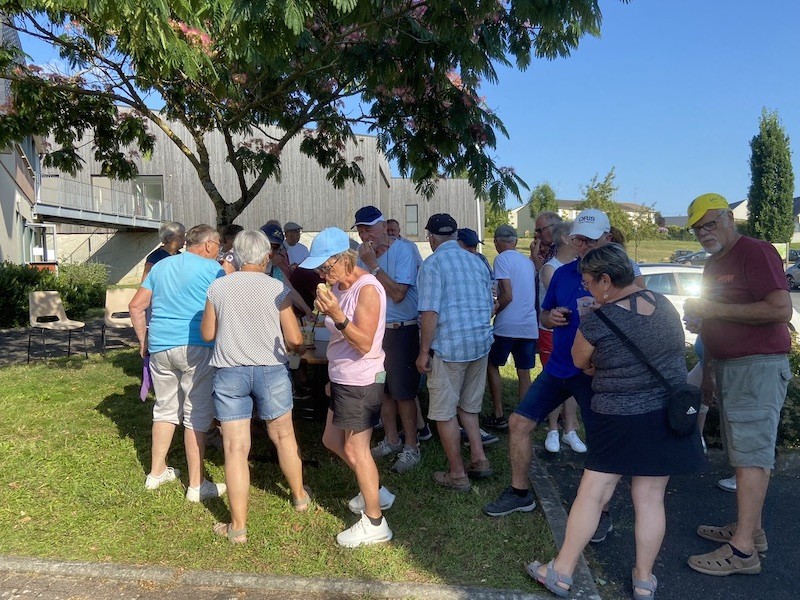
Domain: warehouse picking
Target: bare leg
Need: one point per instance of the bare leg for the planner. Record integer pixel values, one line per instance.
(420, 418)
(751, 491)
(408, 417)
(236, 444)
(552, 418)
(162, 439)
(469, 421)
(450, 434)
(195, 444)
(389, 417)
(495, 389)
(281, 432)
(647, 494)
(570, 414)
(524, 381)
(520, 452)
(358, 456)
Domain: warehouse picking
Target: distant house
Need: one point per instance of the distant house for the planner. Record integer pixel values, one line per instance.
(521, 220)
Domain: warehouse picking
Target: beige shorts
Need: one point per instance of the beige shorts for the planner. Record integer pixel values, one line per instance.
(454, 385)
(182, 380)
(751, 390)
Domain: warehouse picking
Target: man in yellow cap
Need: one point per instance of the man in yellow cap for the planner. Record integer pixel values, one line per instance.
(743, 313)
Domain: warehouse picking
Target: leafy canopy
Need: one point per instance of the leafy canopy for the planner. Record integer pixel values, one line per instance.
(542, 198)
(239, 67)
(769, 200)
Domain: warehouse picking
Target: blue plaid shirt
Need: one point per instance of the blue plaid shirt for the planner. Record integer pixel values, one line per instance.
(455, 284)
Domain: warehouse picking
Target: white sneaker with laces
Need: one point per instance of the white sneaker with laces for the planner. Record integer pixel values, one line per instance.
(729, 484)
(551, 443)
(206, 490)
(385, 497)
(152, 482)
(364, 532)
(573, 441)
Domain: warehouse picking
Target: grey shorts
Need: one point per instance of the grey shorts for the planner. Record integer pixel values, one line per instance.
(182, 379)
(751, 392)
(454, 385)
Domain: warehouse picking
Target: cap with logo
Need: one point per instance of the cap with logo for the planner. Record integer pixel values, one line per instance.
(469, 237)
(441, 224)
(703, 204)
(292, 226)
(505, 231)
(273, 232)
(328, 242)
(591, 223)
(368, 215)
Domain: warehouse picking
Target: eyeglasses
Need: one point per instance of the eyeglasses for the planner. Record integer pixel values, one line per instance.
(580, 241)
(710, 226)
(541, 229)
(325, 269)
(217, 242)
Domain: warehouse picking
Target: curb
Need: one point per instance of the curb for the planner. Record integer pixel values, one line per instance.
(553, 508)
(248, 581)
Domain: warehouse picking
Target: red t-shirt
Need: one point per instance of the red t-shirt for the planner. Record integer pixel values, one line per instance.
(747, 273)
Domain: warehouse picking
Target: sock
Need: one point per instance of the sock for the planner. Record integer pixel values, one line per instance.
(519, 492)
(739, 553)
(377, 521)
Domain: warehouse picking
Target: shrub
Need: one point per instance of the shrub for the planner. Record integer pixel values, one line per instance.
(81, 287)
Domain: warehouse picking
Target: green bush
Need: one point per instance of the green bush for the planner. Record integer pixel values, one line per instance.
(81, 287)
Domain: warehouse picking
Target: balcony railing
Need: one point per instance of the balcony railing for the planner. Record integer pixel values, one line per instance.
(71, 201)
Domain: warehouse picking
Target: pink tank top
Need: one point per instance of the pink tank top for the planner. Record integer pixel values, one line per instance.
(346, 365)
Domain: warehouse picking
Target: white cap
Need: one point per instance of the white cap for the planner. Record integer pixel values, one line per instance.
(591, 223)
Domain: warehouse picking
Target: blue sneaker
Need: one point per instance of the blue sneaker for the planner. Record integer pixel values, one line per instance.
(487, 439)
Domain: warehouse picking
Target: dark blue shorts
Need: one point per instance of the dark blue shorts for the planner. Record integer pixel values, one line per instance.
(401, 346)
(548, 393)
(523, 351)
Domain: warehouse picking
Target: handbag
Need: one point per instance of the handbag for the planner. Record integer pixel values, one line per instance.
(683, 402)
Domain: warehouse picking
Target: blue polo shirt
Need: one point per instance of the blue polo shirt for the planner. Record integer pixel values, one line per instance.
(565, 288)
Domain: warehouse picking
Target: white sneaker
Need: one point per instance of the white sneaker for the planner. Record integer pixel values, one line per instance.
(385, 497)
(152, 482)
(729, 484)
(551, 443)
(364, 532)
(206, 490)
(574, 441)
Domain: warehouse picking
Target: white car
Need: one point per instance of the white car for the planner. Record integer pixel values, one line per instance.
(679, 282)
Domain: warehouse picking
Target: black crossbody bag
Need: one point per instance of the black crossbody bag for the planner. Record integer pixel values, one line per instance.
(683, 402)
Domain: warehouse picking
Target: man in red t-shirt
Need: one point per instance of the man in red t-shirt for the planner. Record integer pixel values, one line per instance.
(744, 309)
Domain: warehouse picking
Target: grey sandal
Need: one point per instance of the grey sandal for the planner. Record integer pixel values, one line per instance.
(551, 580)
(234, 536)
(650, 586)
(302, 504)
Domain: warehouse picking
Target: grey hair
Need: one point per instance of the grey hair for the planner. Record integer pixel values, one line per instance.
(200, 234)
(559, 230)
(551, 216)
(609, 259)
(251, 247)
(170, 229)
(440, 239)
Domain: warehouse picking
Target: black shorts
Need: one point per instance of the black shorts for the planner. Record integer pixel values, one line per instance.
(356, 407)
(401, 346)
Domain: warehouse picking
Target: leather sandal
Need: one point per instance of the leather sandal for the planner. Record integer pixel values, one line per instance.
(650, 586)
(551, 579)
(234, 536)
(302, 504)
(725, 534)
(723, 561)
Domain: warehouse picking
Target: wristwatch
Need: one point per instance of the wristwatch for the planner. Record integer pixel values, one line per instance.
(342, 325)
(375, 270)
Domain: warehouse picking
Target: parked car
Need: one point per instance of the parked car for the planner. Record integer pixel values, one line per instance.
(793, 276)
(694, 259)
(680, 254)
(679, 282)
(794, 256)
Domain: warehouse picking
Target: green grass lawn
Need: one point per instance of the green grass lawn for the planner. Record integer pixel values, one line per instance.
(76, 448)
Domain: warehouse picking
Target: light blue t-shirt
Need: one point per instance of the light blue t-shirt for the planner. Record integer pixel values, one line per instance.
(400, 263)
(179, 286)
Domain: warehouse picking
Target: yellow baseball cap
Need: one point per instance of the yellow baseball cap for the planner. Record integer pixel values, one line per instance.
(704, 203)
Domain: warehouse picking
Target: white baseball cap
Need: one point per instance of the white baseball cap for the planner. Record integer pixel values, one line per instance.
(591, 223)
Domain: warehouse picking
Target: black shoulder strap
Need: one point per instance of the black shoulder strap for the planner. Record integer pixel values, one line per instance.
(633, 348)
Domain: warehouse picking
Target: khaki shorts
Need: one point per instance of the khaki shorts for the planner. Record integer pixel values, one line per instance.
(182, 379)
(453, 385)
(751, 390)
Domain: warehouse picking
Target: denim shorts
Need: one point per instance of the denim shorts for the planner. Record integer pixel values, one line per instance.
(523, 351)
(238, 389)
(547, 393)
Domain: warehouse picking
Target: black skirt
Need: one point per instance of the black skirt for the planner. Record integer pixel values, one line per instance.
(641, 445)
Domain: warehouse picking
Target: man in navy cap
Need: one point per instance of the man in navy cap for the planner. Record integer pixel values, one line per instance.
(394, 264)
(455, 303)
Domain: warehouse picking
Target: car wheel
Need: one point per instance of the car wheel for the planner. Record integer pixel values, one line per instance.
(791, 282)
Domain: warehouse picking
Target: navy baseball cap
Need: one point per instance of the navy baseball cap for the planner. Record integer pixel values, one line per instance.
(273, 232)
(368, 215)
(469, 237)
(441, 224)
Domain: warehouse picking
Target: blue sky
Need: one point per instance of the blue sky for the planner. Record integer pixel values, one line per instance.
(670, 96)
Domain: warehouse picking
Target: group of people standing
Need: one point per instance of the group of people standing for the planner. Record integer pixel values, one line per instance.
(393, 318)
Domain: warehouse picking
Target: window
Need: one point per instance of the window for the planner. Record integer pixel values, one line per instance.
(101, 193)
(412, 219)
(148, 192)
(663, 283)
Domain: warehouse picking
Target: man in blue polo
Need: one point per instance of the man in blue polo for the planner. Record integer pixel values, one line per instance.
(560, 378)
(393, 263)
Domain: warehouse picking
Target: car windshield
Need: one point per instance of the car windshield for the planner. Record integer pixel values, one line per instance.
(690, 282)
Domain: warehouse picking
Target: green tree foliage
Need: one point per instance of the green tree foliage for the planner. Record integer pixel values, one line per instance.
(542, 198)
(772, 182)
(600, 194)
(493, 217)
(410, 70)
